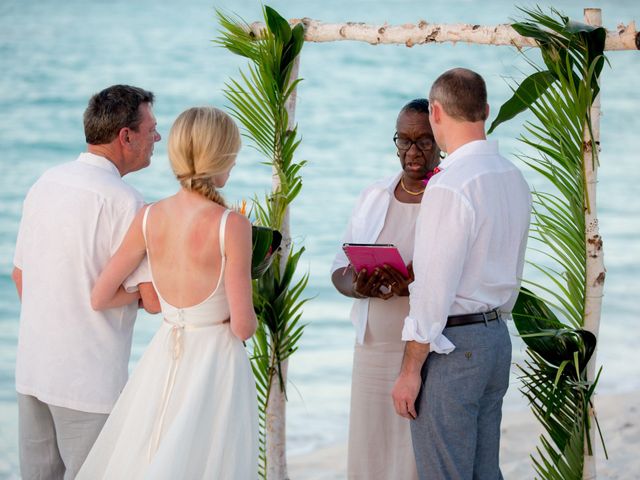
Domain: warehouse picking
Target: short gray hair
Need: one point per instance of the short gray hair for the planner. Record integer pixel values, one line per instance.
(462, 94)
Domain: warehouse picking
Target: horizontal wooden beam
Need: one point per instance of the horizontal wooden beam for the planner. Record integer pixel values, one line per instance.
(625, 37)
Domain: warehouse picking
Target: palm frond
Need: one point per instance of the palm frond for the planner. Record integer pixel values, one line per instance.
(258, 101)
(550, 316)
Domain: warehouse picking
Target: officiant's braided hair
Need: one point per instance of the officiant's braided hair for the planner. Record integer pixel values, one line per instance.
(203, 144)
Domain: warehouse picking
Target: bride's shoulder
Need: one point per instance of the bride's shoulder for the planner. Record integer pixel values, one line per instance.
(238, 223)
(213, 214)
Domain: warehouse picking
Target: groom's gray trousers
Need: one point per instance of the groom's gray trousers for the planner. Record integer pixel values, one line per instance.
(457, 433)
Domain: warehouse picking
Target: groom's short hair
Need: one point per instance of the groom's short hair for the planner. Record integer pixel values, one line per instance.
(113, 109)
(462, 94)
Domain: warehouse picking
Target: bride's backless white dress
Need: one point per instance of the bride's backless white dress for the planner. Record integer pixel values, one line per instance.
(189, 411)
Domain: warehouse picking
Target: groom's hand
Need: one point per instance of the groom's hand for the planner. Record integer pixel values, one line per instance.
(404, 394)
(408, 384)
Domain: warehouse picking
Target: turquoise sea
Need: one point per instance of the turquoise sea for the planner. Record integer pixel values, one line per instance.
(54, 55)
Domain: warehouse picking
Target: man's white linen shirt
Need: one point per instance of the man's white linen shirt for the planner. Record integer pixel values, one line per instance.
(366, 223)
(471, 235)
(74, 219)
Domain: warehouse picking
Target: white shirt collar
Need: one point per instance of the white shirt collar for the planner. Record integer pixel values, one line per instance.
(98, 161)
(475, 147)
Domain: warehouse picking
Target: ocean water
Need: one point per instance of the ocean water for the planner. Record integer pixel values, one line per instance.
(54, 55)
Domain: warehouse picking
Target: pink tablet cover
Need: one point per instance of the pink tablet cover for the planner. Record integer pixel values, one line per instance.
(370, 256)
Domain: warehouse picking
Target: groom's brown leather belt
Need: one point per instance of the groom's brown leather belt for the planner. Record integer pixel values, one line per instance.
(470, 318)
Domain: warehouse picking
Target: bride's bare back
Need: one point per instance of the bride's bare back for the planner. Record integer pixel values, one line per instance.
(184, 247)
(182, 231)
(184, 254)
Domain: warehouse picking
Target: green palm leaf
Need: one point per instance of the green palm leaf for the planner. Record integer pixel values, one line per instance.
(266, 242)
(547, 336)
(549, 316)
(565, 46)
(258, 101)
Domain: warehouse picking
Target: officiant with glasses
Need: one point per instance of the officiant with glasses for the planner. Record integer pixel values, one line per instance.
(385, 213)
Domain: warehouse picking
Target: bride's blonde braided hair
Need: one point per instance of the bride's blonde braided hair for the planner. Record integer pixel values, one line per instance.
(203, 143)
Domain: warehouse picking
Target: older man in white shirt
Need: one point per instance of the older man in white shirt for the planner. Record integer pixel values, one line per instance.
(72, 361)
(471, 237)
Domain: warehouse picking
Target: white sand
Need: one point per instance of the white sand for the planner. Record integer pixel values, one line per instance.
(619, 417)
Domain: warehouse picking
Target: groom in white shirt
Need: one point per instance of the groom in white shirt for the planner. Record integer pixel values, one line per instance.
(72, 361)
(471, 236)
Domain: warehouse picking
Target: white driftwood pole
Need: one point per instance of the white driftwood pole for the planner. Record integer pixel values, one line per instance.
(625, 37)
(277, 428)
(276, 418)
(595, 271)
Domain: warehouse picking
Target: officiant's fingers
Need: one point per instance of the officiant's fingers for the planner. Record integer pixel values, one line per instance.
(385, 296)
(395, 277)
(383, 274)
(396, 281)
(360, 277)
(380, 285)
(360, 281)
(372, 285)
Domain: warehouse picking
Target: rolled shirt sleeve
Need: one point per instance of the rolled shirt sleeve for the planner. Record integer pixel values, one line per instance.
(443, 233)
(142, 274)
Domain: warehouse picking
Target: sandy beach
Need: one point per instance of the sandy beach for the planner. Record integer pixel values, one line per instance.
(619, 417)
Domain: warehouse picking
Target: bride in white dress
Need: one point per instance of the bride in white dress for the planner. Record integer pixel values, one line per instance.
(189, 411)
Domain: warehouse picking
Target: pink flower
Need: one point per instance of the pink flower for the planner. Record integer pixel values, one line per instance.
(430, 174)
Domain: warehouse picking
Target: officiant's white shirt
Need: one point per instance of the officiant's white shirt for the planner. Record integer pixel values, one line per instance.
(74, 218)
(365, 224)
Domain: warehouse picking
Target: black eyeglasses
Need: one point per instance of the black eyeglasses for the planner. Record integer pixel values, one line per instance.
(423, 143)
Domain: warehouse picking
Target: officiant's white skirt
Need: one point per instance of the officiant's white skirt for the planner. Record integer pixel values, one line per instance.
(380, 446)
